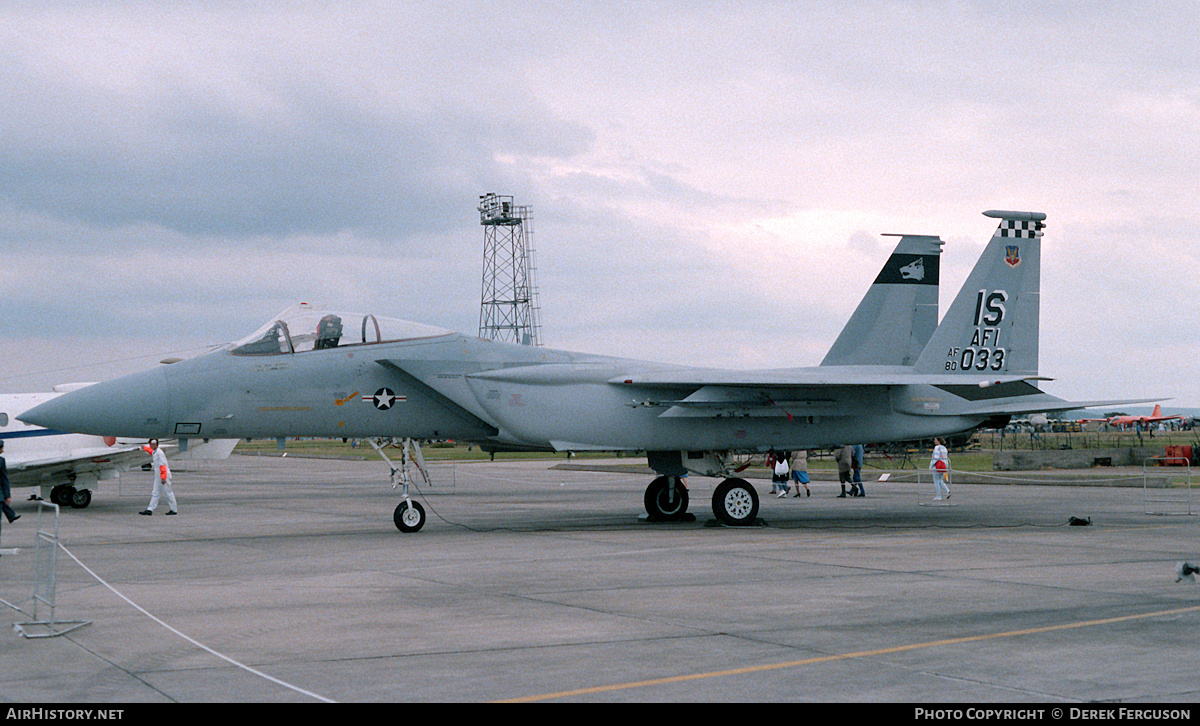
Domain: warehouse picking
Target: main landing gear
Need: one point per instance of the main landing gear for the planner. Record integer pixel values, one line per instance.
(667, 500)
(735, 502)
(66, 495)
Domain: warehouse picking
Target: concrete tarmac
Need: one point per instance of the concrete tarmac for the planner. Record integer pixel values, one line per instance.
(530, 582)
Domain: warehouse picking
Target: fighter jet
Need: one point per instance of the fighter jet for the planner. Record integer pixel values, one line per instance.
(892, 374)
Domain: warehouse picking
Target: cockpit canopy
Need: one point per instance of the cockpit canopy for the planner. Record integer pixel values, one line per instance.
(303, 328)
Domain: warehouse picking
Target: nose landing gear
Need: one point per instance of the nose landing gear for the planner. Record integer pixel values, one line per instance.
(409, 515)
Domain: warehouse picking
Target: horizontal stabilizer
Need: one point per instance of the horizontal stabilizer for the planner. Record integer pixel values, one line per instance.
(1034, 404)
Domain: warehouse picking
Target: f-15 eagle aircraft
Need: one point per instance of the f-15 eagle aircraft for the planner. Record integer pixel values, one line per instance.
(67, 467)
(893, 374)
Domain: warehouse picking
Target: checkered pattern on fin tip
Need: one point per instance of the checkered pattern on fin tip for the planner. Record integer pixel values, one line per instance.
(1019, 228)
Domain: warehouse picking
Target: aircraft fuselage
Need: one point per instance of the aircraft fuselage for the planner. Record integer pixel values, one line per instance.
(499, 394)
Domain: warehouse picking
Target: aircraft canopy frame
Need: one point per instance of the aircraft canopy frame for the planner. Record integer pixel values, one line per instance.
(302, 328)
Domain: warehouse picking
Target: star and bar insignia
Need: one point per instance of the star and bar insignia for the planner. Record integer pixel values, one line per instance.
(384, 398)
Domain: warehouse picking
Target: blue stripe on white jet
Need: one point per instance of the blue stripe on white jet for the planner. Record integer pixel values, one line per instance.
(31, 434)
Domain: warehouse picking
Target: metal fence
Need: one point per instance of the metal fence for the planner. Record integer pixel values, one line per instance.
(46, 582)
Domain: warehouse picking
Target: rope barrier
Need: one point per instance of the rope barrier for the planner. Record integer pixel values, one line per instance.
(1047, 479)
(189, 639)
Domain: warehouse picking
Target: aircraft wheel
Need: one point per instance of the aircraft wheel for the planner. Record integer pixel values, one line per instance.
(409, 517)
(80, 498)
(735, 502)
(664, 505)
(61, 495)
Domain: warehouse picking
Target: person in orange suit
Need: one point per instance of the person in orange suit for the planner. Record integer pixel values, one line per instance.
(162, 479)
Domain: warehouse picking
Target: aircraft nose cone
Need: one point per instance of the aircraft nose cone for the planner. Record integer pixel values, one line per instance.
(132, 406)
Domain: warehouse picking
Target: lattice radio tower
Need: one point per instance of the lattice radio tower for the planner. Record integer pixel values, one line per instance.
(509, 308)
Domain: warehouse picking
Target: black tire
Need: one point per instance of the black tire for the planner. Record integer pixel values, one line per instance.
(80, 498)
(61, 495)
(659, 504)
(409, 518)
(735, 503)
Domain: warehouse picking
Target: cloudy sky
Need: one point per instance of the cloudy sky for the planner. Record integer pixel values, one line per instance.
(709, 180)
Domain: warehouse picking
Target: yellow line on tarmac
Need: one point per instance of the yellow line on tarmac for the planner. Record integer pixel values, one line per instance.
(844, 656)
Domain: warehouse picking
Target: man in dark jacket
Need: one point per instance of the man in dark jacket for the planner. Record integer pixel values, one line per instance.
(5, 491)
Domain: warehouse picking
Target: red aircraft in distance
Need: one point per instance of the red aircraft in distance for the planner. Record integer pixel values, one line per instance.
(1157, 415)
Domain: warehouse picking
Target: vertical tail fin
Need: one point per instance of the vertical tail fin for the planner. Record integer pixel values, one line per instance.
(899, 312)
(992, 325)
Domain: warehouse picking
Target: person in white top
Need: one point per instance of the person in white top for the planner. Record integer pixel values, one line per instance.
(162, 479)
(780, 475)
(940, 463)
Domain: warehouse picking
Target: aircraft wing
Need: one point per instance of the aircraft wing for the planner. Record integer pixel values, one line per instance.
(848, 376)
(93, 460)
(790, 392)
(829, 401)
(99, 456)
(803, 391)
